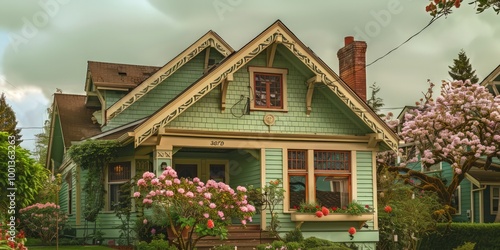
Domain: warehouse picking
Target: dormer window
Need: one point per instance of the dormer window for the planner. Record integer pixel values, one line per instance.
(268, 88)
(122, 73)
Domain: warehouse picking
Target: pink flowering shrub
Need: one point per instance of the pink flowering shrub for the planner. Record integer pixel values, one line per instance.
(202, 209)
(43, 220)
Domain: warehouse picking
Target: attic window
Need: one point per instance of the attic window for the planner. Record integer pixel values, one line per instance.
(268, 88)
(122, 73)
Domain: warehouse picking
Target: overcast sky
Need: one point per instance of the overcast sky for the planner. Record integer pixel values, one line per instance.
(46, 44)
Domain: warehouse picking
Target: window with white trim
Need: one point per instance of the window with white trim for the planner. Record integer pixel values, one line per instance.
(494, 198)
(118, 174)
(268, 88)
(331, 172)
(297, 177)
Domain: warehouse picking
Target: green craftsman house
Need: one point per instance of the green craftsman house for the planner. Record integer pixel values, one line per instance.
(270, 110)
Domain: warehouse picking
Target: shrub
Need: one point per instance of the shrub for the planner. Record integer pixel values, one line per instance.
(293, 246)
(192, 205)
(17, 243)
(294, 236)
(466, 246)
(316, 242)
(158, 244)
(456, 234)
(278, 244)
(43, 220)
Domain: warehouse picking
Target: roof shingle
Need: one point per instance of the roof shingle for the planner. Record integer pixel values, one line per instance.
(119, 75)
(75, 117)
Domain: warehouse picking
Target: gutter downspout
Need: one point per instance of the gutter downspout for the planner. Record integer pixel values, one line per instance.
(480, 203)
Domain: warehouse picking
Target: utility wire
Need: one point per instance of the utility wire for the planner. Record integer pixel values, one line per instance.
(407, 40)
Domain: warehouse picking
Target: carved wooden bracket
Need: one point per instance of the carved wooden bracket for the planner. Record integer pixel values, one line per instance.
(223, 91)
(310, 90)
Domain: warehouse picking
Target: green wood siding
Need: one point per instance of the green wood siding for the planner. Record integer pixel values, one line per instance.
(326, 116)
(364, 172)
(161, 94)
(57, 150)
(244, 170)
(465, 202)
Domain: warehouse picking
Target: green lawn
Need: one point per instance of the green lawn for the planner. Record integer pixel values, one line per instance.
(70, 247)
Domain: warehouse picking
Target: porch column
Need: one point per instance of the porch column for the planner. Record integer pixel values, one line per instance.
(162, 158)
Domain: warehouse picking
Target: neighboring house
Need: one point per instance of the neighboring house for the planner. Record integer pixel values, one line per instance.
(271, 110)
(485, 185)
(477, 197)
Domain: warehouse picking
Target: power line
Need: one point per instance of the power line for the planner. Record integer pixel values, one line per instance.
(407, 40)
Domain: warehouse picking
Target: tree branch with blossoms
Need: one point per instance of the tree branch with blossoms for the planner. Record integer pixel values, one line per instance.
(461, 127)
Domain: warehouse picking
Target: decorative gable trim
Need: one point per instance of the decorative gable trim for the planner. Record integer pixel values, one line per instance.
(492, 81)
(210, 39)
(275, 32)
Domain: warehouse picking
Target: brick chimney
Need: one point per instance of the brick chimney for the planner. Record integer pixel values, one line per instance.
(352, 65)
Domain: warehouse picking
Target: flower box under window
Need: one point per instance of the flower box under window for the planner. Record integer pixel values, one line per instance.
(358, 220)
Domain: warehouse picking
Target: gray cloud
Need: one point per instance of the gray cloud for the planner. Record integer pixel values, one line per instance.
(55, 53)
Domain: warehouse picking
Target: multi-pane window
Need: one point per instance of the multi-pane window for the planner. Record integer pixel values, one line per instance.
(495, 196)
(297, 177)
(332, 177)
(268, 88)
(118, 174)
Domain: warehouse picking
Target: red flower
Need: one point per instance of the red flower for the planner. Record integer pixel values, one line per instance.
(210, 224)
(388, 209)
(352, 231)
(457, 3)
(325, 211)
(367, 206)
(334, 209)
(319, 214)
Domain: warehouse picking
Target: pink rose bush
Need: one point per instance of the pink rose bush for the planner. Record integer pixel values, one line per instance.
(202, 209)
(43, 220)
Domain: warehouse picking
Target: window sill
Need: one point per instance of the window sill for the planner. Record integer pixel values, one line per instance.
(358, 220)
(269, 110)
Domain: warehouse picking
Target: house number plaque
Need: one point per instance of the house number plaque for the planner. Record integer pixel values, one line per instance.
(216, 143)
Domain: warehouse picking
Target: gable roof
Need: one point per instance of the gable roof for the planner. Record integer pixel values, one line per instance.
(483, 177)
(75, 118)
(278, 33)
(492, 81)
(209, 40)
(115, 75)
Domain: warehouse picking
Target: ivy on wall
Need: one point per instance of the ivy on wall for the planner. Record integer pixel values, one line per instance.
(94, 156)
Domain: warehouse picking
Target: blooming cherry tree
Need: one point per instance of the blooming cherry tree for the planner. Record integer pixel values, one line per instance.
(192, 206)
(461, 127)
